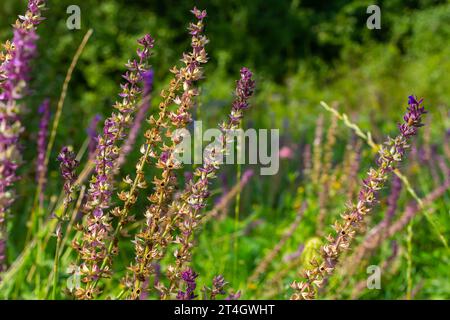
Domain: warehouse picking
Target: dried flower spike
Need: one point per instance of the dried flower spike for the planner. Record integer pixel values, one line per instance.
(151, 241)
(218, 287)
(97, 228)
(390, 155)
(41, 169)
(128, 145)
(197, 191)
(188, 276)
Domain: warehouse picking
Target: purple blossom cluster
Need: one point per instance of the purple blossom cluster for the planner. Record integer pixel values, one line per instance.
(67, 166)
(151, 242)
(244, 90)
(14, 77)
(188, 276)
(218, 287)
(234, 296)
(199, 192)
(97, 229)
(147, 79)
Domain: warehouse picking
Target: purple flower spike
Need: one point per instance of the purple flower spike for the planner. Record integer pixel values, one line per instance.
(189, 277)
(393, 198)
(97, 228)
(218, 288)
(41, 169)
(92, 135)
(15, 67)
(147, 44)
(67, 165)
(413, 118)
(244, 90)
(234, 296)
(391, 153)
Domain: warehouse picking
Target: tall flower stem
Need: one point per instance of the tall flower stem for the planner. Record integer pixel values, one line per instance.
(96, 229)
(195, 196)
(390, 155)
(56, 267)
(226, 199)
(41, 169)
(128, 145)
(185, 78)
(15, 68)
(34, 219)
(237, 208)
(68, 165)
(152, 241)
(369, 140)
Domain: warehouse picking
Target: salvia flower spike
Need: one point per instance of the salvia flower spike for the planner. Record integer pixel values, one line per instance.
(41, 168)
(97, 228)
(14, 77)
(67, 166)
(185, 79)
(390, 155)
(218, 287)
(197, 192)
(189, 278)
(92, 135)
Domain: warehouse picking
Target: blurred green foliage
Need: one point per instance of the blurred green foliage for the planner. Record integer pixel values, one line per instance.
(302, 51)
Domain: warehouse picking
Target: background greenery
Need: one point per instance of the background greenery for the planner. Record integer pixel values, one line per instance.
(302, 52)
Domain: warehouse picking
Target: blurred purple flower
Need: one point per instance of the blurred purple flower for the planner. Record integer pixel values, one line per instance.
(41, 169)
(93, 135)
(97, 226)
(234, 296)
(246, 176)
(218, 287)
(393, 198)
(67, 165)
(294, 255)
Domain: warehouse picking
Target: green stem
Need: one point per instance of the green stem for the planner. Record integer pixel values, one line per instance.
(409, 261)
(236, 222)
(56, 267)
(34, 218)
